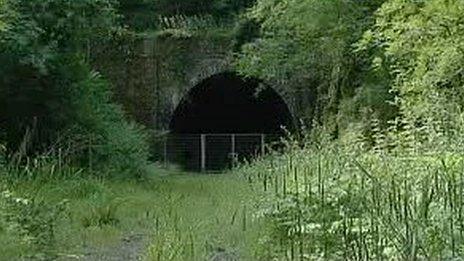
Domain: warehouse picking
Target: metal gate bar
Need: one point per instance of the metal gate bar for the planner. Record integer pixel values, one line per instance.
(233, 142)
(205, 152)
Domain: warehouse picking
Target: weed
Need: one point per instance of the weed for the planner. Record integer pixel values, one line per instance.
(332, 202)
(33, 221)
(102, 213)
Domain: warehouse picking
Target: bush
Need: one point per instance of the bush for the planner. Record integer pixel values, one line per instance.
(97, 126)
(69, 114)
(52, 103)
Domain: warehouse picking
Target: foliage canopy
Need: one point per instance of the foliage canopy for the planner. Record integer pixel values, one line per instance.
(49, 97)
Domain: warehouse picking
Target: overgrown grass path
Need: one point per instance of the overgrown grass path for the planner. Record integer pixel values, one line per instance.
(174, 216)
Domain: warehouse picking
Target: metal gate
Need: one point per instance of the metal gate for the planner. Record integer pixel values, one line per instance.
(212, 152)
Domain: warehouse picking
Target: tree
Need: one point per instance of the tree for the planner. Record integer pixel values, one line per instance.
(307, 45)
(41, 30)
(49, 97)
(421, 45)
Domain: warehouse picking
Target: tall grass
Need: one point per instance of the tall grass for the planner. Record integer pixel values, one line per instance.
(330, 201)
(204, 217)
(50, 210)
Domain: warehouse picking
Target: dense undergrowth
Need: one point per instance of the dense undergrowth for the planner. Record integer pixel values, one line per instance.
(52, 103)
(338, 201)
(390, 185)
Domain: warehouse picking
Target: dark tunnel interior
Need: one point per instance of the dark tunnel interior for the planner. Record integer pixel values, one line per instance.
(227, 103)
(218, 107)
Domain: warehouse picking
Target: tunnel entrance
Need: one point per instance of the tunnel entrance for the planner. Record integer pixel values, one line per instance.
(223, 119)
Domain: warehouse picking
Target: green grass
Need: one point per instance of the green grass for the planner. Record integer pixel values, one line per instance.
(313, 202)
(98, 214)
(184, 216)
(200, 216)
(332, 202)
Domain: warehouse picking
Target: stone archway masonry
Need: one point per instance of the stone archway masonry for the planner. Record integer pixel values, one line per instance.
(204, 59)
(153, 75)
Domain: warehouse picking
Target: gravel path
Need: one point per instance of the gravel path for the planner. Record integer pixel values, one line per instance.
(133, 248)
(130, 248)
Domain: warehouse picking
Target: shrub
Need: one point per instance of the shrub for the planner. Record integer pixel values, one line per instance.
(69, 114)
(52, 103)
(98, 127)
